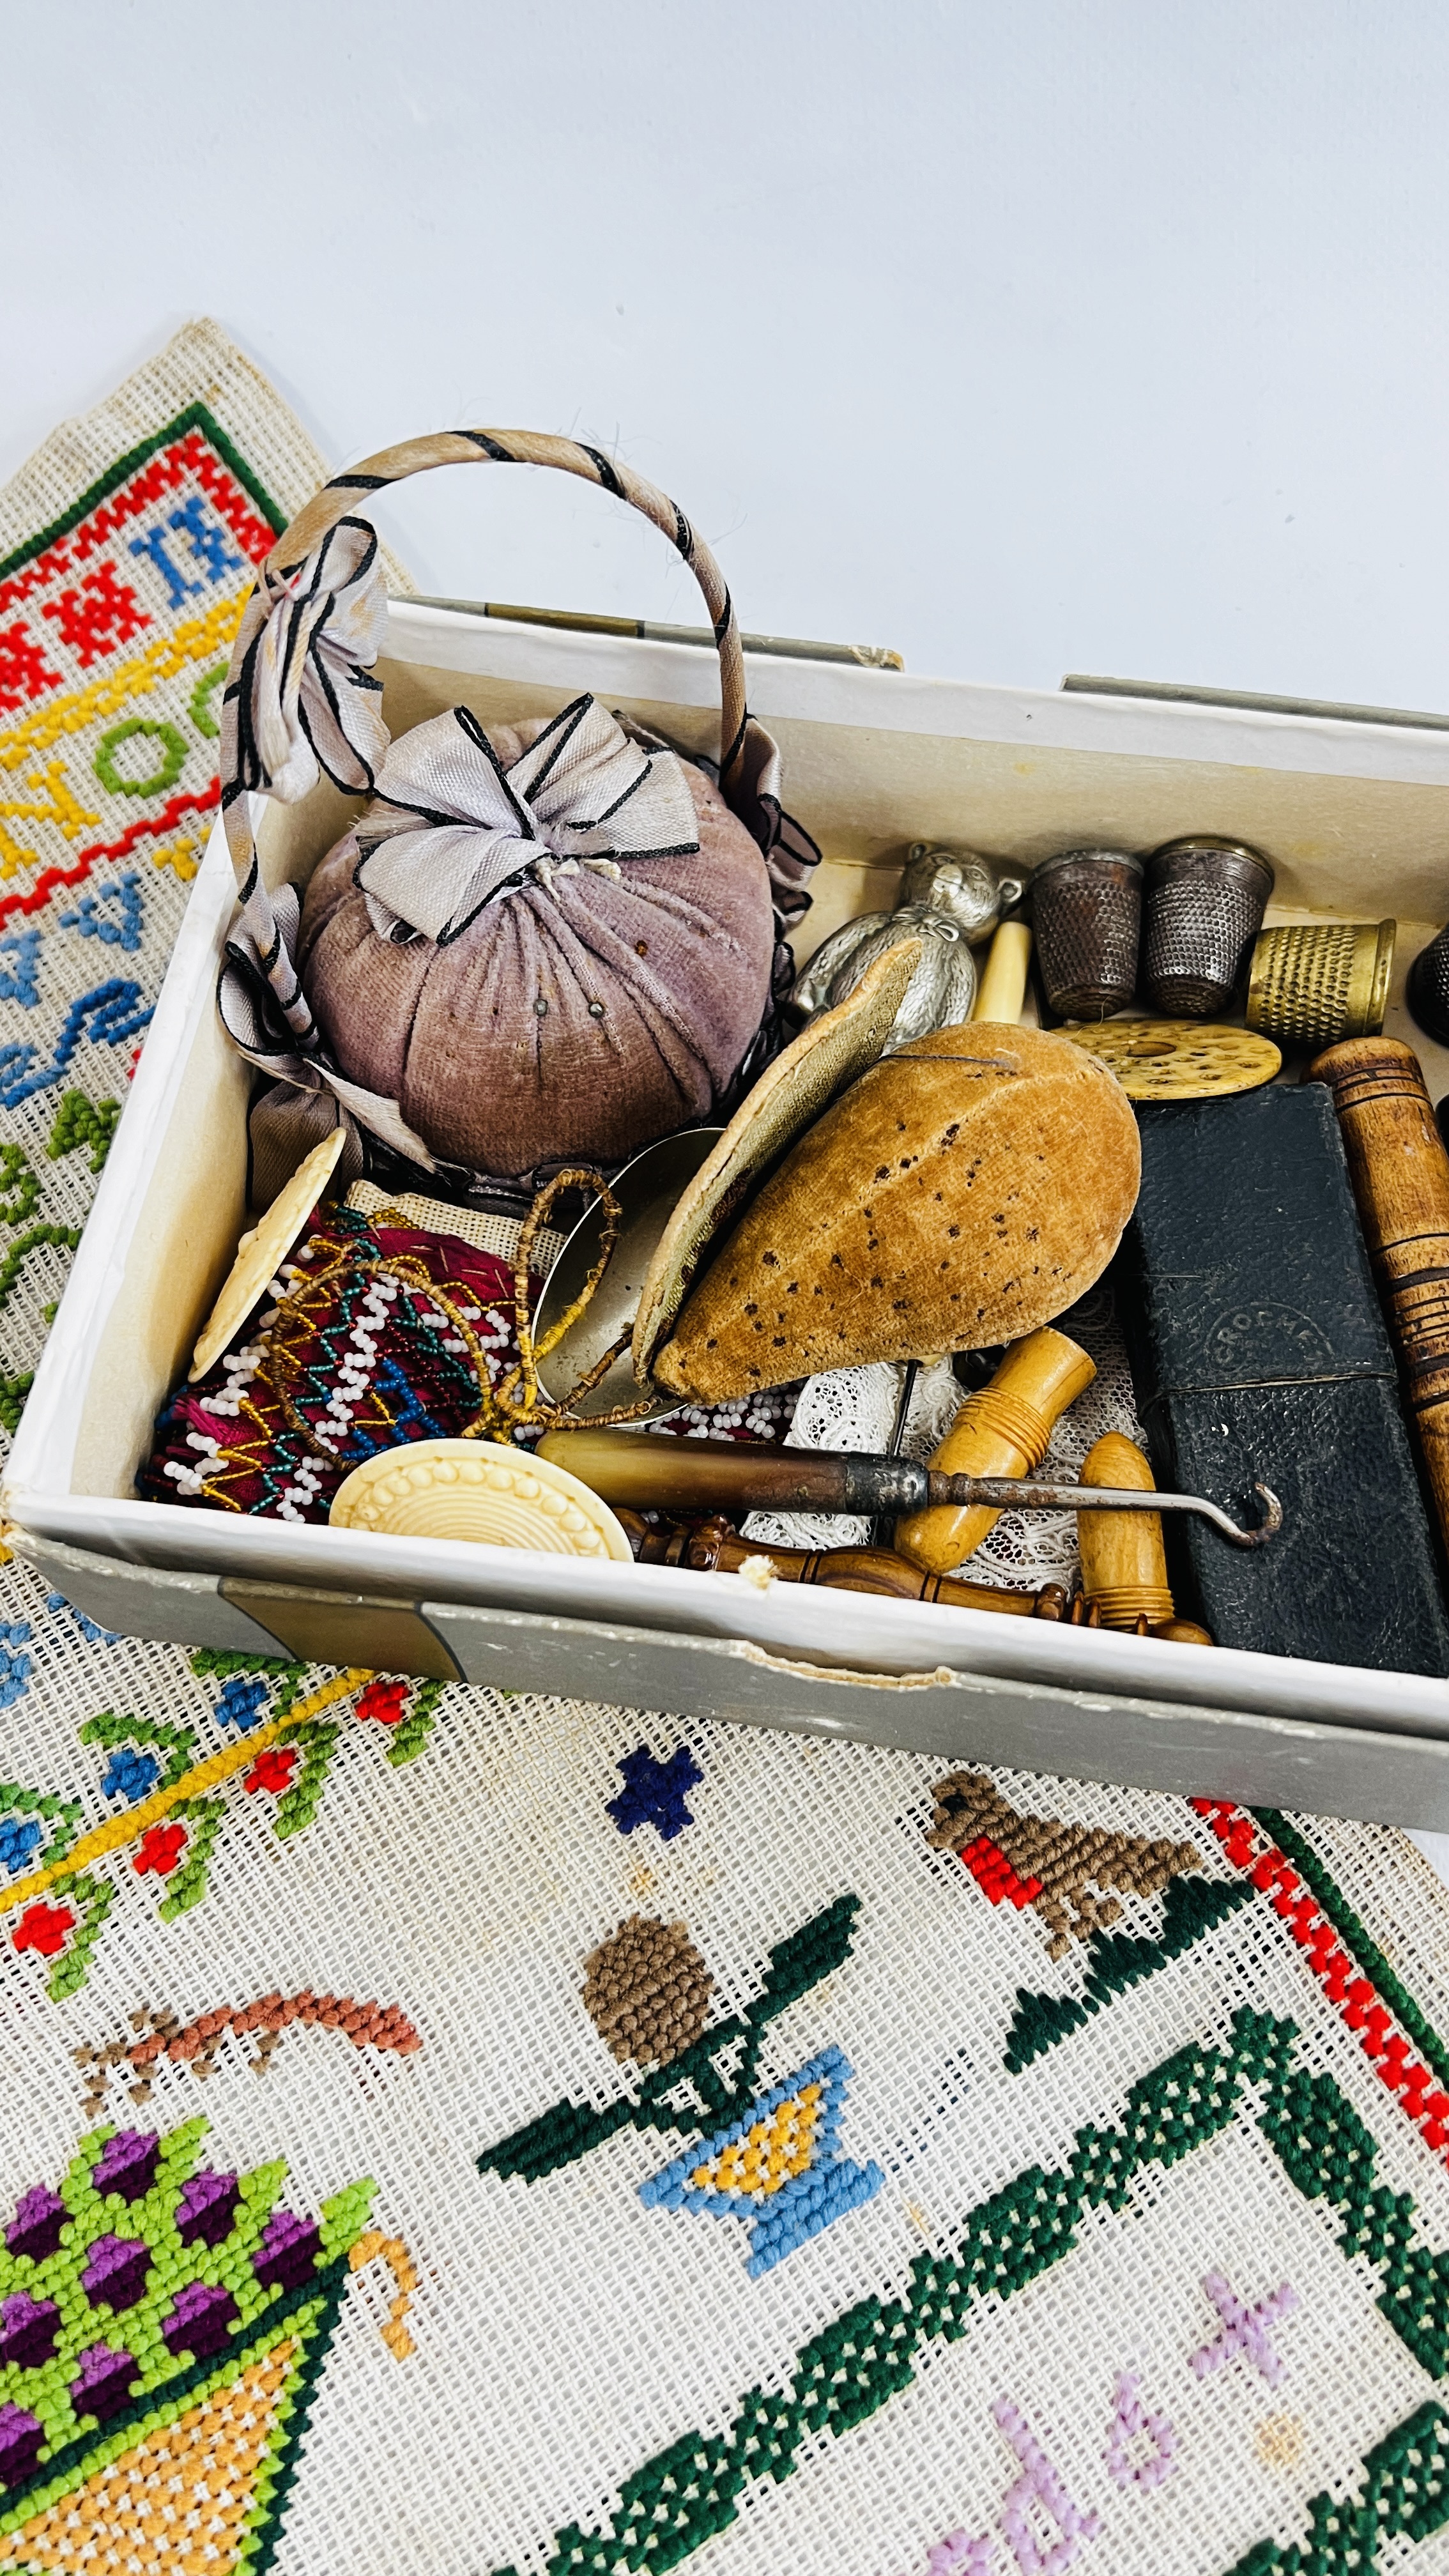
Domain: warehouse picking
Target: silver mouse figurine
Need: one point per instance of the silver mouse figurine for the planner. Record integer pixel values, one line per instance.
(950, 898)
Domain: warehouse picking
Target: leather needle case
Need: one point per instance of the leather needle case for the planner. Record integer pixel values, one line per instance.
(1260, 1354)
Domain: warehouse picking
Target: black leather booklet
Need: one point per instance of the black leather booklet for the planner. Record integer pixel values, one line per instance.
(1259, 1352)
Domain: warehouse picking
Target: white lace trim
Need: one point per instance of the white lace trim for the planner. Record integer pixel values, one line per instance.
(855, 1409)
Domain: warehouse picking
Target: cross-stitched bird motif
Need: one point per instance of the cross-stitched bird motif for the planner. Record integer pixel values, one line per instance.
(654, 1792)
(1035, 1861)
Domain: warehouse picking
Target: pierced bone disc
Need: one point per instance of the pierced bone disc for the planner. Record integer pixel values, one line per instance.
(1178, 1059)
(260, 1254)
(479, 1490)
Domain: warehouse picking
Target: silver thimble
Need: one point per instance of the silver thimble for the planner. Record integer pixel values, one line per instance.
(1086, 912)
(1427, 993)
(1205, 899)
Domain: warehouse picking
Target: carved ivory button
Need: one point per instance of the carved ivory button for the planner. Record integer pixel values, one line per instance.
(478, 1490)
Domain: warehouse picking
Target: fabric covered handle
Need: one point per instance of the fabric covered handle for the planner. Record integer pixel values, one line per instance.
(528, 447)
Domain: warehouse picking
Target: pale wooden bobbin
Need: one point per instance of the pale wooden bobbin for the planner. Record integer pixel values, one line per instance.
(1002, 1430)
(1002, 989)
(1124, 1563)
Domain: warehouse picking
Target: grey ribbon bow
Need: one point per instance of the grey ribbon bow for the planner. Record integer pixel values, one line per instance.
(307, 695)
(451, 829)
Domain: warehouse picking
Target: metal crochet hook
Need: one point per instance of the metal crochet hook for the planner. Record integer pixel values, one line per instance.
(732, 1476)
(1003, 1492)
(880, 1528)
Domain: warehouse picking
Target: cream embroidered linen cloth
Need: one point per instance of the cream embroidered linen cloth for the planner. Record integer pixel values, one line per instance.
(449, 2131)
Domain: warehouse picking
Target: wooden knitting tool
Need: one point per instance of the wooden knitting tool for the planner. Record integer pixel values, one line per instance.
(714, 1547)
(1124, 1565)
(1002, 1430)
(1179, 1059)
(1400, 1175)
(649, 1473)
(1002, 989)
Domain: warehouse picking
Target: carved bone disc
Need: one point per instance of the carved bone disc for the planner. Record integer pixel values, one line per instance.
(260, 1254)
(1178, 1059)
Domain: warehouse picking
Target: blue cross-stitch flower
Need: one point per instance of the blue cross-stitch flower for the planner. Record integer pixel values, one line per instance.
(241, 1703)
(94, 1636)
(14, 1666)
(131, 1775)
(121, 928)
(206, 538)
(654, 1792)
(19, 952)
(18, 1838)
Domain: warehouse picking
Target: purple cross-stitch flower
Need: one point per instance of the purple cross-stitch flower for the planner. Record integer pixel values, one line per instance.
(28, 2328)
(206, 2208)
(288, 2251)
(200, 2321)
(1245, 2329)
(40, 2214)
(116, 2271)
(105, 2381)
(20, 2440)
(127, 2163)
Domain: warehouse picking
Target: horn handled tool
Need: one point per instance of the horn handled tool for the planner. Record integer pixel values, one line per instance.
(650, 1471)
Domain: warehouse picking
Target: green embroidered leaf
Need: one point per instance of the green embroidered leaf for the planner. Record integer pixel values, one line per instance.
(13, 1392)
(78, 1123)
(187, 1884)
(557, 2137)
(806, 1957)
(1037, 2024)
(1193, 1906)
(1117, 1961)
(17, 1177)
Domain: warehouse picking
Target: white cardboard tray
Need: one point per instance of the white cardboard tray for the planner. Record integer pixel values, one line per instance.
(1356, 821)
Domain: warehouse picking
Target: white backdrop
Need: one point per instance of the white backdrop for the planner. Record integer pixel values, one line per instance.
(1075, 334)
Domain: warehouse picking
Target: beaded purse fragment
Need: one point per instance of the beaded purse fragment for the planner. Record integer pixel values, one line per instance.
(373, 1335)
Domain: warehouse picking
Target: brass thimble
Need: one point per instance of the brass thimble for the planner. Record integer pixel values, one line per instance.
(1321, 981)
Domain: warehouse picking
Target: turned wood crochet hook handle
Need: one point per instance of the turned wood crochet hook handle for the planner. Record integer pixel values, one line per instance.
(650, 1471)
